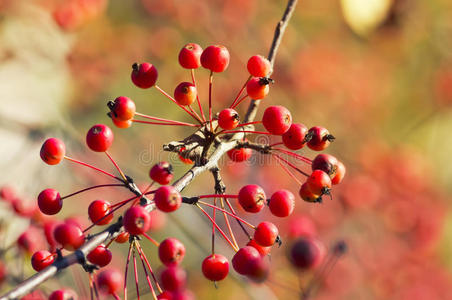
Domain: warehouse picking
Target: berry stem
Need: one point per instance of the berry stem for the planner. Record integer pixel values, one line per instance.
(151, 239)
(91, 188)
(241, 91)
(210, 99)
(116, 166)
(116, 296)
(181, 106)
(140, 250)
(249, 123)
(213, 227)
(296, 155)
(161, 123)
(276, 144)
(217, 196)
(292, 175)
(238, 222)
(92, 167)
(240, 101)
(135, 272)
(162, 120)
(127, 269)
(219, 229)
(244, 131)
(148, 279)
(192, 71)
(226, 212)
(228, 224)
(291, 165)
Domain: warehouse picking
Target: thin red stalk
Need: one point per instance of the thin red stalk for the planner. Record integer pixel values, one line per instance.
(276, 144)
(164, 124)
(151, 239)
(231, 214)
(194, 112)
(116, 296)
(148, 279)
(240, 101)
(292, 175)
(135, 272)
(213, 227)
(127, 269)
(217, 196)
(249, 123)
(291, 165)
(219, 229)
(162, 119)
(210, 99)
(245, 131)
(296, 155)
(116, 166)
(192, 71)
(181, 106)
(149, 267)
(238, 222)
(91, 188)
(92, 167)
(226, 219)
(241, 91)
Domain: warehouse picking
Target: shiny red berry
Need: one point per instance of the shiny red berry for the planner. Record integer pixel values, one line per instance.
(171, 252)
(123, 108)
(277, 119)
(99, 138)
(144, 75)
(190, 56)
(340, 173)
(52, 151)
(294, 138)
(266, 234)
(69, 235)
(320, 138)
(215, 58)
(245, 259)
(167, 198)
(41, 259)
(228, 119)
(98, 212)
(259, 66)
(110, 281)
(239, 155)
(215, 267)
(185, 93)
(100, 256)
(162, 173)
(252, 198)
(306, 253)
(49, 201)
(173, 278)
(257, 88)
(307, 195)
(319, 182)
(282, 203)
(136, 220)
(63, 294)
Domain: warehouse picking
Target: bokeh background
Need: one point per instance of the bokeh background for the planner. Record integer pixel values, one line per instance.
(376, 73)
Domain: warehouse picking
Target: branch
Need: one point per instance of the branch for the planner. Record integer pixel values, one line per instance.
(219, 149)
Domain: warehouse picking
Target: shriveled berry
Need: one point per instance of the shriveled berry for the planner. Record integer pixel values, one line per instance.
(294, 138)
(144, 75)
(319, 182)
(215, 58)
(215, 267)
(252, 198)
(325, 162)
(307, 195)
(123, 108)
(99, 212)
(277, 119)
(49, 201)
(306, 253)
(190, 56)
(282, 203)
(52, 151)
(171, 252)
(340, 173)
(136, 220)
(100, 256)
(69, 235)
(167, 198)
(263, 251)
(110, 281)
(239, 155)
(245, 259)
(63, 294)
(41, 259)
(228, 119)
(185, 93)
(257, 88)
(259, 66)
(99, 138)
(162, 173)
(173, 278)
(320, 138)
(266, 234)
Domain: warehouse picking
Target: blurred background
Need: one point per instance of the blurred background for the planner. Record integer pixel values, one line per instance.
(376, 73)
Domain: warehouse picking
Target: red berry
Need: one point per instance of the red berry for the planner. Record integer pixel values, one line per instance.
(100, 256)
(244, 260)
(306, 253)
(182, 295)
(7, 193)
(257, 88)
(165, 295)
(98, 212)
(340, 173)
(144, 75)
(69, 235)
(123, 108)
(162, 173)
(121, 124)
(215, 267)
(294, 138)
(277, 119)
(252, 198)
(325, 162)
(190, 56)
(239, 155)
(41, 259)
(63, 294)
(52, 151)
(99, 138)
(320, 138)
(26, 209)
(319, 182)
(49, 201)
(122, 237)
(167, 198)
(307, 195)
(282, 203)
(171, 252)
(30, 240)
(215, 58)
(259, 270)
(185, 93)
(110, 281)
(173, 278)
(228, 119)
(137, 220)
(49, 228)
(266, 234)
(263, 251)
(259, 66)
(187, 161)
